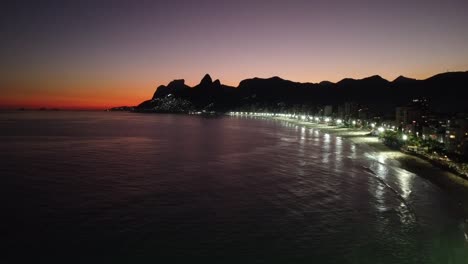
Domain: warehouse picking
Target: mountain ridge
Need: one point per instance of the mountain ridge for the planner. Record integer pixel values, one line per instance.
(443, 90)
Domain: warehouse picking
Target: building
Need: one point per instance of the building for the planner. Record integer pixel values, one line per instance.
(328, 110)
(422, 104)
(340, 113)
(434, 127)
(351, 110)
(456, 135)
(410, 118)
(407, 115)
(363, 113)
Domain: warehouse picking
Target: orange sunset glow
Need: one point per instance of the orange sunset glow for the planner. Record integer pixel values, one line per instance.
(75, 57)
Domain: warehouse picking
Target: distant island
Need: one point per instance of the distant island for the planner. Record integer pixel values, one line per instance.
(444, 91)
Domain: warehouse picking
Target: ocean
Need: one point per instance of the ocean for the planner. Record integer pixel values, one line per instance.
(119, 187)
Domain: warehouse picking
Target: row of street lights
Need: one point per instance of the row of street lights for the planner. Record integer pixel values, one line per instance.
(318, 119)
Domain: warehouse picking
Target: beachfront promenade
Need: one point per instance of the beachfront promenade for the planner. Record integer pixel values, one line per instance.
(437, 167)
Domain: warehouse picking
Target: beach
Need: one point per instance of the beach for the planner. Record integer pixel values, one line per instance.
(455, 185)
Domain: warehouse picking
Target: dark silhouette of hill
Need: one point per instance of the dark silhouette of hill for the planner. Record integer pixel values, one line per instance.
(444, 91)
(402, 79)
(207, 95)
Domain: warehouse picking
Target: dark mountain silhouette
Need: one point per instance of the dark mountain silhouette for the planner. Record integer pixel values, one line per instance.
(176, 87)
(326, 83)
(207, 95)
(402, 79)
(206, 81)
(445, 92)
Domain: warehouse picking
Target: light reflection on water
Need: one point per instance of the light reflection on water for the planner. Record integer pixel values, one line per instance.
(242, 190)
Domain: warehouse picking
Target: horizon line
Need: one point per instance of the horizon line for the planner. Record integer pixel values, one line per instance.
(105, 107)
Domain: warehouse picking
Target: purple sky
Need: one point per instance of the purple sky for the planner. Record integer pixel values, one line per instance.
(59, 51)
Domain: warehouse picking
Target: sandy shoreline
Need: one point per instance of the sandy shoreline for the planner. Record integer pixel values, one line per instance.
(453, 184)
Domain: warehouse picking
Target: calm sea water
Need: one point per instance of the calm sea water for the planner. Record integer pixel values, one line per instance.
(138, 188)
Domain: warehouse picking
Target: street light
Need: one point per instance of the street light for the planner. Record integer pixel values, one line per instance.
(405, 137)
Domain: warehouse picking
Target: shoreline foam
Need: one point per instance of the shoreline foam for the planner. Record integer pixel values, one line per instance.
(455, 186)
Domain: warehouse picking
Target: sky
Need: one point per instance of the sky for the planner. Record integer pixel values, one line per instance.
(100, 54)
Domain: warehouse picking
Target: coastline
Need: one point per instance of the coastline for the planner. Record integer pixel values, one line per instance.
(456, 186)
